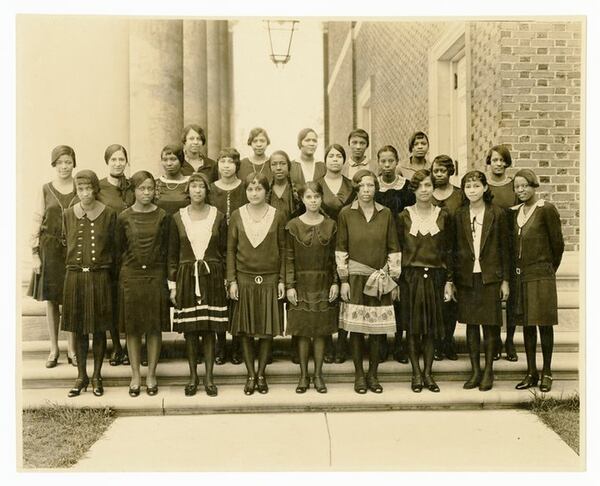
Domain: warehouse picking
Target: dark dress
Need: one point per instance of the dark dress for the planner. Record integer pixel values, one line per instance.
(537, 247)
(117, 198)
(373, 244)
(310, 269)
(171, 195)
(504, 195)
(209, 169)
(297, 176)
(425, 270)
(87, 298)
(197, 266)
(51, 242)
(258, 270)
(247, 168)
(333, 203)
(478, 293)
(143, 297)
(395, 196)
(287, 204)
(227, 201)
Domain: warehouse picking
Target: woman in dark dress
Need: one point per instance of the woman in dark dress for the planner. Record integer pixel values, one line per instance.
(116, 193)
(307, 168)
(48, 247)
(481, 271)
(537, 247)
(498, 160)
(283, 195)
(87, 297)
(227, 194)
(338, 192)
(368, 259)
(311, 283)
(424, 233)
(142, 236)
(171, 186)
(197, 244)
(256, 276)
(394, 193)
(193, 139)
(258, 162)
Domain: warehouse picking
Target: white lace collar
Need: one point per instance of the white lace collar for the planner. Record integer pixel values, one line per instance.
(425, 226)
(257, 231)
(397, 184)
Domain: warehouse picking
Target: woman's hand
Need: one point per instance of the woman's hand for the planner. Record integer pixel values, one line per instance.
(345, 292)
(292, 297)
(504, 290)
(280, 290)
(396, 293)
(173, 296)
(449, 292)
(334, 292)
(36, 264)
(234, 293)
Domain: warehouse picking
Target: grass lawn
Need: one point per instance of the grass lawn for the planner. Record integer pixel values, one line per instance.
(561, 415)
(57, 437)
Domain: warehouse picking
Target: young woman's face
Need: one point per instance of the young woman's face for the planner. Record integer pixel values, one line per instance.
(117, 164)
(279, 167)
(366, 189)
(523, 190)
(474, 190)
(144, 193)
(256, 193)
(424, 192)
(358, 146)
(420, 147)
(440, 175)
(259, 144)
(226, 167)
(85, 193)
(312, 200)
(334, 161)
(64, 166)
(387, 163)
(497, 164)
(193, 143)
(197, 192)
(171, 164)
(308, 146)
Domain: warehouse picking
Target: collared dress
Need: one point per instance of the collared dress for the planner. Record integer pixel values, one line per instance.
(87, 298)
(247, 168)
(310, 269)
(363, 248)
(333, 203)
(256, 261)
(395, 195)
(350, 167)
(170, 195)
(50, 237)
(196, 270)
(299, 177)
(143, 296)
(426, 245)
(407, 170)
(117, 198)
(537, 247)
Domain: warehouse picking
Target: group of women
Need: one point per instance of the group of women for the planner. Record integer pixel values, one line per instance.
(354, 247)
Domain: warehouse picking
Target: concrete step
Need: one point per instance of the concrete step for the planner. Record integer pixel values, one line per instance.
(176, 372)
(170, 400)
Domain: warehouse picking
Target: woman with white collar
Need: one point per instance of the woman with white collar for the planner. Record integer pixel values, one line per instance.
(537, 246)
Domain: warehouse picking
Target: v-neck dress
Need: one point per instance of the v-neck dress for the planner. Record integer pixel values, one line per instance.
(333, 203)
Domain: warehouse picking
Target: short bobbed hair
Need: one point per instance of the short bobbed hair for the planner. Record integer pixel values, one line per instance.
(414, 137)
(197, 177)
(504, 153)
(303, 133)
(314, 186)
(388, 148)
(173, 149)
(259, 178)
(140, 177)
(359, 132)
(232, 154)
(197, 128)
(476, 175)
(529, 176)
(87, 176)
(358, 177)
(337, 147)
(111, 149)
(418, 177)
(445, 161)
(255, 132)
(59, 151)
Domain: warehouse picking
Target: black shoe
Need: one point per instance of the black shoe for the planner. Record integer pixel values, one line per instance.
(134, 391)
(303, 384)
(528, 382)
(373, 384)
(438, 355)
(295, 359)
(473, 382)
(400, 352)
(250, 385)
(116, 358)
(220, 358)
(236, 359)
(261, 385)
(360, 385)
(511, 352)
(126, 361)
(191, 388)
(416, 384)
(430, 383)
(270, 359)
(329, 358)
(319, 383)
(211, 390)
(152, 390)
(487, 381)
(97, 388)
(546, 383)
(80, 384)
(450, 352)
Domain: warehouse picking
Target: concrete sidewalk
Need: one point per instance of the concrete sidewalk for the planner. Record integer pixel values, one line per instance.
(497, 440)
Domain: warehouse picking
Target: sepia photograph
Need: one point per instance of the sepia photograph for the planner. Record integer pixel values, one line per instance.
(278, 243)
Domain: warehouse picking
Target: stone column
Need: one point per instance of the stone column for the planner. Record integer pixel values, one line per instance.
(213, 74)
(155, 89)
(225, 84)
(194, 73)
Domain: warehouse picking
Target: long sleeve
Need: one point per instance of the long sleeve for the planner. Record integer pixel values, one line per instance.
(36, 221)
(120, 242)
(341, 248)
(393, 250)
(449, 235)
(281, 244)
(332, 263)
(290, 264)
(112, 227)
(505, 242)
(223, 236)
(173, 253)
(555, 236)
(232, 244)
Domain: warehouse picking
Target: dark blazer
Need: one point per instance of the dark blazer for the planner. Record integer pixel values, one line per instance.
(494, 255)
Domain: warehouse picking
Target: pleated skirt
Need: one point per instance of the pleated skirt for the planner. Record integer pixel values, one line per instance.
(422, 301)
(258, 312)
(480, 304)
(87, 301)
(49, 283)
(205, 313)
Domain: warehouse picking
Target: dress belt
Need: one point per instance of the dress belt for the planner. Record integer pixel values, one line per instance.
(95, 268)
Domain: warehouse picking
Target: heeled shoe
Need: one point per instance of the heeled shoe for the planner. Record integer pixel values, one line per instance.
(72, 360)
(134, 391)
(472, 382)
(438, 354)
(261, 385)
(116, 358)
(125, 361)
(236, 359)
(191, 388)
(430, 384)
(211, 390)
(497, 355)
(373, 384)
(546, 383)
(250, 385)
(360, 385)
(319, 383)
(303, 384)
(450, 352)
(80, 384)
(527, 382)
(329, 358)
(511, 352)
(416, 384)
(52, 361)
(97, 388)
(152, 390)
(220, 358)
(487, 381)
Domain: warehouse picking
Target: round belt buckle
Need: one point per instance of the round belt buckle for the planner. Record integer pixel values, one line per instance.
(258, 280)
(143, 267)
